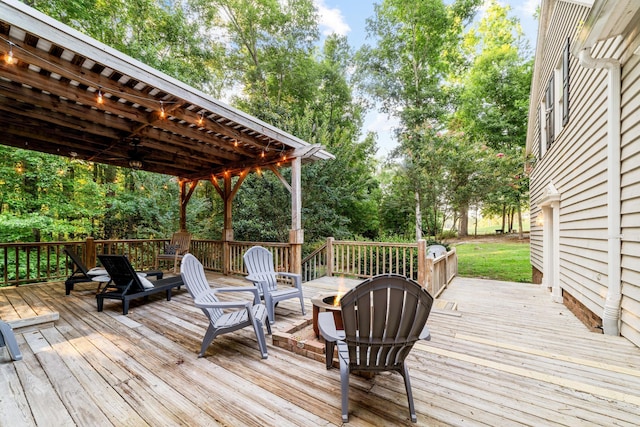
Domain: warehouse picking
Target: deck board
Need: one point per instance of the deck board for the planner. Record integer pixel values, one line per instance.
(501, 354)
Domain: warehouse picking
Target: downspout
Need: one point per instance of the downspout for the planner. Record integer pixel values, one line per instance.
(611, 312)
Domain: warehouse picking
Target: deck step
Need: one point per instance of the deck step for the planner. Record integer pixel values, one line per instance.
(28, 324)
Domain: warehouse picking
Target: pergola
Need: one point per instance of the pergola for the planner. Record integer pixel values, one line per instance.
(64, 93)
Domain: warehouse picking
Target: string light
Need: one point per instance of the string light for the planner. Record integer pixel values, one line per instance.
(9, 58)
(100, 98)
(201, 119)
(235, 142)
(162, 113)
(262, 154)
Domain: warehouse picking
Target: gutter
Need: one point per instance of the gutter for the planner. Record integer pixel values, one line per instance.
(611, 312)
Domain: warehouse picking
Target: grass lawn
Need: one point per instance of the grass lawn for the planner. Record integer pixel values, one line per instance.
(506, 260)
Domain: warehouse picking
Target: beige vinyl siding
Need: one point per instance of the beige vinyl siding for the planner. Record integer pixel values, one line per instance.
(630, 197)
(576, 164)
(564, 23)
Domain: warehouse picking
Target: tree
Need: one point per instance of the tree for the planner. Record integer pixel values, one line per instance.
(493, 106)
(417, 47)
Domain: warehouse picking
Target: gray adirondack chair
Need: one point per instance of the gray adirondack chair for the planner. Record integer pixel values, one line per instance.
(383, 317)
(259, 264)
(8, 339)
(224, 317)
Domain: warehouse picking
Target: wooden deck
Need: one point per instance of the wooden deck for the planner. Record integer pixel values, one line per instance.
(501, 354)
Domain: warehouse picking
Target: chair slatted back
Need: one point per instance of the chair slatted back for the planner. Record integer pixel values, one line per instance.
(196, 282)
(383, 318)
(259, 263)
(181, 239)
(122, 274)
(79, 266)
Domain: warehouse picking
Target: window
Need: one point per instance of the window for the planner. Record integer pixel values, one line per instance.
(555, 103)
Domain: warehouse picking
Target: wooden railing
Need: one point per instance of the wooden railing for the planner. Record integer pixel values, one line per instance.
(22, 263)
(367, 259)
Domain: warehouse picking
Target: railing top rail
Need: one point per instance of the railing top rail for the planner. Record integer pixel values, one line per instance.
(268, 244)
(314, 253)
(388, 244)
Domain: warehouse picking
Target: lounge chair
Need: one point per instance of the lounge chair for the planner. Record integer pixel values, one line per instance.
(224, 317)
(175, 250)
(8, 339)
(259, 264)
(82, 274)
(383, 317)
(126, 284)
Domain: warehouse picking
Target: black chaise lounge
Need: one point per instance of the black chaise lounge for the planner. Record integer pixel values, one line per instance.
(82, 274)
(126, 284)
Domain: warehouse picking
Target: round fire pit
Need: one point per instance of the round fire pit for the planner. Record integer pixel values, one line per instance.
(327, 303)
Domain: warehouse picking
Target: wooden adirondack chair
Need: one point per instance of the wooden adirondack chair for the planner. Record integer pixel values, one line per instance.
(224, 316)
(383, 317)
(176, 249)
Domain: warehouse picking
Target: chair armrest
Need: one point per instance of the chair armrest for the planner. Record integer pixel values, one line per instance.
(252, 289)
(297, 278)
(425, 334)
(327, 327)
(204, 301)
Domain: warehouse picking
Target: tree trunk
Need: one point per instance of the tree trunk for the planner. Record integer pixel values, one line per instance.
(504, 216)
(418, 217)
(520, 232)
(463, 228)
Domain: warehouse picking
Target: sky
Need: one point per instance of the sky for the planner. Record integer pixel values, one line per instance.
(347, 17)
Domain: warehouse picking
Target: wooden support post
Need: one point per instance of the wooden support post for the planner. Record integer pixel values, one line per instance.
(296, 234)
(423, 273)
(90, 257)
(330, 256)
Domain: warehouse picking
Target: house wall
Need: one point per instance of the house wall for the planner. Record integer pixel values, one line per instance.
(630, 197)
(576, 164)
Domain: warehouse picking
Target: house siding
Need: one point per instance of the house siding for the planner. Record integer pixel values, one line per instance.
(576, 164)
(630, 200)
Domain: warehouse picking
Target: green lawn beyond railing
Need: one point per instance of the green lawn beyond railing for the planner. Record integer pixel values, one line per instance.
(508, 261)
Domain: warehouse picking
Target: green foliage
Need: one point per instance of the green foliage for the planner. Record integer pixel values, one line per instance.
(461, 100)
(507, 261)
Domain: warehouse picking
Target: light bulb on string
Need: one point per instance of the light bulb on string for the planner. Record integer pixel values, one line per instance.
(262, 154)
(9, 58)
(201, 119)
(162, 113)
(100, 99)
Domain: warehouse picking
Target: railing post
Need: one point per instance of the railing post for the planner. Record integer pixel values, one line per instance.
(329, 256)
(296, 239)
(227, 236)
(423, 273)
(90, 252)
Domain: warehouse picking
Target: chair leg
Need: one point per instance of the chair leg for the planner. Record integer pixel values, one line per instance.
(407, 385)
(8, 339)
(344, 386)
(329, 347)
(302, 303)
(271, 308)
(262, 342)
(208, 338)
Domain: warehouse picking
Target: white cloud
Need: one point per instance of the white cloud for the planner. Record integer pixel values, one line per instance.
(331, 20)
